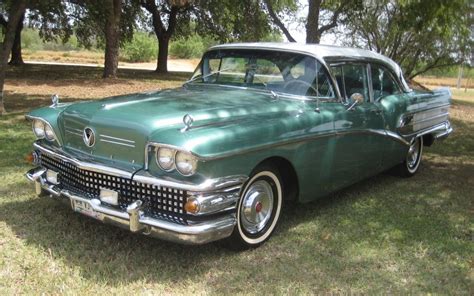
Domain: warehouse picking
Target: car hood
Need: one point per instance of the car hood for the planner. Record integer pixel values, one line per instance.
(124, 124)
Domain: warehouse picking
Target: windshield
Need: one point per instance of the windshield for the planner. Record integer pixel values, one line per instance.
(281, 72)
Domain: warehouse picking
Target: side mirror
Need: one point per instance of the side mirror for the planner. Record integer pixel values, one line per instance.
(354, 100)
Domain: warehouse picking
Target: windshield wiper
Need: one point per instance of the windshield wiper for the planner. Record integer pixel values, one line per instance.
(200, 76)
(274, 94)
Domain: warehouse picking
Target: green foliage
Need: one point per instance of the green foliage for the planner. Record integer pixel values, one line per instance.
(232, 20)
(142, 48)
(90, 17)
(190, 47)
(419, 35)
(32, 40)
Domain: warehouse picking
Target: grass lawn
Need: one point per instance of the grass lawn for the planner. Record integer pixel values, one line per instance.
(383, 235)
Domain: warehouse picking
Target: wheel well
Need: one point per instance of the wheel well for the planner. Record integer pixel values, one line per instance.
(287, 173)
(428, 140)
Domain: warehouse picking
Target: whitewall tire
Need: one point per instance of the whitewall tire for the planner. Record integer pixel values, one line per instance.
(258, 210)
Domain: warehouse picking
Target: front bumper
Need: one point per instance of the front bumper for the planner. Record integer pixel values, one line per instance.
(134, 218)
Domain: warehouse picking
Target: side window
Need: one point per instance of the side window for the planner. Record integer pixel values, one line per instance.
(352, 78)
(382, 82)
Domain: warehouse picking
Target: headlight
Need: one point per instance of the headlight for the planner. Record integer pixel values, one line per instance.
(165, 158)
(186, 163)
(38, 128)
(48, 132)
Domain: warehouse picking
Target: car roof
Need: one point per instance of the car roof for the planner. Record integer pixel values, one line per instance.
(321, 52)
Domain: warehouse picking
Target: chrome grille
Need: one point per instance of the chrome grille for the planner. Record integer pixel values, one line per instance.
(159, 202)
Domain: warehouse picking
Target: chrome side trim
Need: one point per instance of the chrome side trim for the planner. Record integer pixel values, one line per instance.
(145, 177)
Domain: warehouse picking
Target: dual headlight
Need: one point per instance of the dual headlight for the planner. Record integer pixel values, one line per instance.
(43, 130)
(169, 159)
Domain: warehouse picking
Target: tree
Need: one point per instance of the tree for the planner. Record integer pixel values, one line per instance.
(48, 17)
(419, 35)
(323, 15)
(16, 57)
(164, 18)
(17, 9)
(113, 9)
(108, 22)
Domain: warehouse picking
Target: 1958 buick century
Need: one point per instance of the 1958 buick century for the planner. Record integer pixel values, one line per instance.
(256, 125)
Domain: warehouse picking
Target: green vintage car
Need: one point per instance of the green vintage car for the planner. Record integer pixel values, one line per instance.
(258, 124)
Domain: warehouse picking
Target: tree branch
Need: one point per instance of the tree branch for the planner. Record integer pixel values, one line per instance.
(334, 19)
(433, 66)
(276, 20)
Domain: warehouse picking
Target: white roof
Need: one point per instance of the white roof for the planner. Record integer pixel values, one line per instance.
(319, 51)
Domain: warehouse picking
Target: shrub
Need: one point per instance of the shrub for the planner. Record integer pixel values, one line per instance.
(191, 47)
(142, 48)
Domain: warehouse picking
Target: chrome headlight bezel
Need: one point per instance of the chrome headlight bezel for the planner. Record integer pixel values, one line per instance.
(43, 130)
(175, 152)
(172, 164)
(190, 161)
(49, 133)
(38, 128)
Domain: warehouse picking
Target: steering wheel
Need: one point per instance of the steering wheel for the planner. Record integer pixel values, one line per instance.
(294, 86)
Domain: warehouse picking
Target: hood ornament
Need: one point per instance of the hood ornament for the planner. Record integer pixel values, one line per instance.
(188, 122)
(54, 100)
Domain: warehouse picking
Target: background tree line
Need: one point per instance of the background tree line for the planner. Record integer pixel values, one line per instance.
(418, 34)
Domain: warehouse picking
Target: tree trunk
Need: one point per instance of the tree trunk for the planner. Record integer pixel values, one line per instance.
(112, 38)
(17, 58)
(15, 13)
(312, 22)
(162, 61)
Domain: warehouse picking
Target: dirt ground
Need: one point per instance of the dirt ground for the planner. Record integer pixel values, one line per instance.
(96, 59)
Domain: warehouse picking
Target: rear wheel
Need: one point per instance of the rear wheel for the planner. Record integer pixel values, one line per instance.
(258, 210)
(413, 159)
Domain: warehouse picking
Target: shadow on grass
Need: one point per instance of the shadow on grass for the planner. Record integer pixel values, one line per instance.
(55, 74)
(365, 228)
(19, 103)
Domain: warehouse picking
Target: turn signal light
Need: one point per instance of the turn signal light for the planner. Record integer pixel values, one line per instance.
(191, 206)
(30, 158)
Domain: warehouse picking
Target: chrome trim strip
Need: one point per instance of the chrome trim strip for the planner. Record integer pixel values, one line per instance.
(118, 139)
(118, 143)
(74, 129)
(73, 132)
(428, 119)
(271, 145)
(145, 177)
(437, 128)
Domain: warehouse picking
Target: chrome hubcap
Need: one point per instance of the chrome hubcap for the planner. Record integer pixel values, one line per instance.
(257, 206)
(413, 152)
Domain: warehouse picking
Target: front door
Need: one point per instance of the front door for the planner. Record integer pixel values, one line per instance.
(360, 143)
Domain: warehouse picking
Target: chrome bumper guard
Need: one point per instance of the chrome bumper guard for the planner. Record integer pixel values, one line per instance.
(135, 220)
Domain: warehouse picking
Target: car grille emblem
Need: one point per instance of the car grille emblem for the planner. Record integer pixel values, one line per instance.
(89, 137)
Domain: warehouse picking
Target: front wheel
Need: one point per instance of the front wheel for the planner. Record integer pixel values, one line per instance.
(413, 158)
(258, 210)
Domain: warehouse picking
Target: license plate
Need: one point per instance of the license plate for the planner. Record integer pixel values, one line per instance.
(84, 208)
